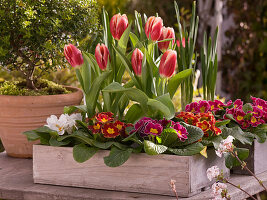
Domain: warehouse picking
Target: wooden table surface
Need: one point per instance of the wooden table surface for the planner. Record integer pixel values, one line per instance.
(16, 183)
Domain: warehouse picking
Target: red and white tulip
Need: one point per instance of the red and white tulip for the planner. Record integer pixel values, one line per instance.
(102, 56)
(137, 59)
(168, 63)
(153, 28)
(73, 55)
(118, 25)
(167, 33)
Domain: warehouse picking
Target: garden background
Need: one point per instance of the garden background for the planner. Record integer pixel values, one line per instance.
(242, 42)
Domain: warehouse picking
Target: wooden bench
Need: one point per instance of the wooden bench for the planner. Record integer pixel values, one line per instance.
(16, 183)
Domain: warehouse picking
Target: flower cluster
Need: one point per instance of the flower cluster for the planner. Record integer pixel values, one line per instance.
(255, 117)
(205, 121)
(104, 123)
(213, 172)
(148, 127)
(225, 146)
(63, 123)
(206, 106)
(219, 191)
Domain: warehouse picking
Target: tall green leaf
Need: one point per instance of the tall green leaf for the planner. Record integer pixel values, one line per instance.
(92, 96)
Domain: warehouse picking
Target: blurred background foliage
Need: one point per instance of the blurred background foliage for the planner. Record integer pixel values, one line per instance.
(244, 61)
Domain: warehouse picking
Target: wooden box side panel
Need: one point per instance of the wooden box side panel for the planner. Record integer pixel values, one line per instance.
(141, 173)
(198, 169)
(260, 157)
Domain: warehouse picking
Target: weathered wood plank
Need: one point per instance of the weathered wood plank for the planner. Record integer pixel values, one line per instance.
(256, 161)
(141, 173)
(16, 182)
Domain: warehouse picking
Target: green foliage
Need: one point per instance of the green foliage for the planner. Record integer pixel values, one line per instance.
(245, 53)
(186, 54)
(33, 33)
(18, 88)
(189, 150)
(231, 161)
(82, 153)
(1, 147)
(117, 157)
(209, 66)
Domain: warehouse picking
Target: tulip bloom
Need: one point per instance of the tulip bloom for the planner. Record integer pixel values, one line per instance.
(73, 55)
(153, 28)
(102, 56)
(167, 33)
(168, 63)
(118, 25)
(137, 59)
(183, 42)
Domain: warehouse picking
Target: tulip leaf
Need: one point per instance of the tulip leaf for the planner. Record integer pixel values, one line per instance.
(132, 93)
(176, 80)
(71, 109)
(128, 66)
(134, 113)
(154, 149)
(117, 156)
(157, 105)
(82, 153)
(135, 41)
(80, 78)
(166, 100)
(92, 96)
(122, 44)
(86, 74)
(188, 150)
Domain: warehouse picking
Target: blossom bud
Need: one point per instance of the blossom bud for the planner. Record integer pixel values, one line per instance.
(102, 56)
(153, 28)
(167, 33)
(137, 59)
(118, 25)
(168, 63)
(73, 55)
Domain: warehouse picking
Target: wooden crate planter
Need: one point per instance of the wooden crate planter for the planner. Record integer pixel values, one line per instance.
(141, 173)
(256, 161)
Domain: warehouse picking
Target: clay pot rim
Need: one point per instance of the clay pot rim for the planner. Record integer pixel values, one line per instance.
(74, 91)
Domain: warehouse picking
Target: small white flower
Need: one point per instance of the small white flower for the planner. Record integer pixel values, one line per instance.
(72, 121)
(213, 172)
(225, 146)
(217, 189)
(56, 124)
(219, 153)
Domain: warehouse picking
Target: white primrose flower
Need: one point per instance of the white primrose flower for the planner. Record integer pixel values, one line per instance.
(72, 121)
(217, 189)
(225, 146)
(57, 124)
(213, 172)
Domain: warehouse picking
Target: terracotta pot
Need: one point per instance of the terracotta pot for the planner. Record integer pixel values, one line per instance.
(23, 113)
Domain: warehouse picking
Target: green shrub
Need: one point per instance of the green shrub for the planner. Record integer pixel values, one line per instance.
(33, 33)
